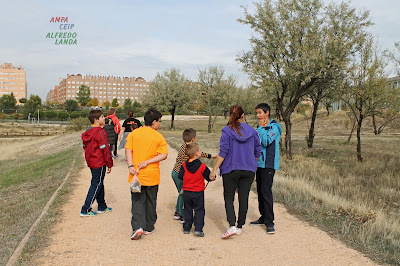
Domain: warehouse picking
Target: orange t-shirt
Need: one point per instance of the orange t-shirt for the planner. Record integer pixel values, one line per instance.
(146, 143)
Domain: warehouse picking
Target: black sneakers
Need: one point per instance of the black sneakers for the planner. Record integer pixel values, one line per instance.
(257, 222)
(270, 230)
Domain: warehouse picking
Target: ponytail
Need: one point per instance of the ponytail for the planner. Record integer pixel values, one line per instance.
(235, 113)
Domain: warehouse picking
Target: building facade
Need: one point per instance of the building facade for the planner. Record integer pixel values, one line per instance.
(13, 80)
(101, 87)
(395, 82)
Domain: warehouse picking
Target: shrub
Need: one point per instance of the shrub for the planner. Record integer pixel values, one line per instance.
(78, 124)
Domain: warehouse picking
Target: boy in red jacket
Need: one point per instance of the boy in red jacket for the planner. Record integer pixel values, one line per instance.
(193, 172)
(98, 157)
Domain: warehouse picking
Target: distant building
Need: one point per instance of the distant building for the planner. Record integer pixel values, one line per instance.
(101, 87)
(53, 95)
(13, 80)
(394, 82)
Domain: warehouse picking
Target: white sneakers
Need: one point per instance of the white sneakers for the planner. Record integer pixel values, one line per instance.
(230, 232)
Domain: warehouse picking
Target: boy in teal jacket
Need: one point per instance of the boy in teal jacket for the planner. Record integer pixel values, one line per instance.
(269, 131)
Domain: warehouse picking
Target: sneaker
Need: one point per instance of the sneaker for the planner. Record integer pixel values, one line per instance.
(199, 233)
(239, 231)
(186, 232)
(270, 230)
(177, 216)
(87, 214)
(230, 232)
(108, 209)
(145, 232)
(182, 220)
(137, 234)
(258, 222)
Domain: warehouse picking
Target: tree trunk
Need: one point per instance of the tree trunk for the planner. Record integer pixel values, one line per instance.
(209, 123)
(311, 135)
(172, 111)
(327, 109)
(359, 157)
(288, 137)
(374, 124)
(352, 130)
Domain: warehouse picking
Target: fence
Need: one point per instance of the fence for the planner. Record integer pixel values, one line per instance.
(30, 133)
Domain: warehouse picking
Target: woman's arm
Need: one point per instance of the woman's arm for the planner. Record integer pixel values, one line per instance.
(216, 166)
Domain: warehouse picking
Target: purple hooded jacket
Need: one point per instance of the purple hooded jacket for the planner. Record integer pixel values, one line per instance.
(239, 152)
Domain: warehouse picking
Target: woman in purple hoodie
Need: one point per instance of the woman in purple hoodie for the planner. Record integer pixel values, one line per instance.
(240, 149)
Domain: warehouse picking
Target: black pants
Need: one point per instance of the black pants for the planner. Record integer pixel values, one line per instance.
(115, 148)
(193, 201)
(96, 190)
(144, 213)
(241, 180)
(264, 179)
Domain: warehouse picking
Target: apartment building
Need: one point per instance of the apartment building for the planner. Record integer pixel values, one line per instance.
(13, 80)
(104, 88)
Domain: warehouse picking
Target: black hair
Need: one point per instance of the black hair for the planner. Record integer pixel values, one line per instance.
(265, 107)
(151, 115)
(94, 115)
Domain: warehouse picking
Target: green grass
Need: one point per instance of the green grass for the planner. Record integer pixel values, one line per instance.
(26, 185)
(358, 203)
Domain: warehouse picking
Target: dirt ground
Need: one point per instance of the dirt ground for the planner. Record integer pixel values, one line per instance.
(105, 239)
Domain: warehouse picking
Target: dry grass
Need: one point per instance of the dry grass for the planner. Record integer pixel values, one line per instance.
(358, 203)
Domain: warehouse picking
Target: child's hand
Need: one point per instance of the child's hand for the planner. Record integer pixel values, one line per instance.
(212, 178)
(108, 170)
(212, 175)
(133, 171)
(215, 156)
(143, 164)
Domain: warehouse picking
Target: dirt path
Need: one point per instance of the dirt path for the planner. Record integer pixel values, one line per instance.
(105, 239)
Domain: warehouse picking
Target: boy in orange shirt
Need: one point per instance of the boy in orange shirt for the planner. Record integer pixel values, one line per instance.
(144, 149)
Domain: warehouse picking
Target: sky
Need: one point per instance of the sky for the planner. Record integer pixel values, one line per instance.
(131, 38)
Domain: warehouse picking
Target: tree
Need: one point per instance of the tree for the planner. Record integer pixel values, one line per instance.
(169, 91)
(23, 100)
(107, 104)
(34, 103)
(127, 105)
(93, 102)
(114, 102)
(296, 44)
(63, 115)
(217, 92)
(83, 95)
(365, 86)
(71, 105)
(8, 103)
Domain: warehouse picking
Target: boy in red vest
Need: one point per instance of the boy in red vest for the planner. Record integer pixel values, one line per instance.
(193, 172)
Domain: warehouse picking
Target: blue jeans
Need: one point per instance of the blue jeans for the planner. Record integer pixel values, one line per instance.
(96, 190)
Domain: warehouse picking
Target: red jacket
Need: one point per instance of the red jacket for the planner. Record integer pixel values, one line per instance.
(117, 125)
(193, 175)
(97, 148)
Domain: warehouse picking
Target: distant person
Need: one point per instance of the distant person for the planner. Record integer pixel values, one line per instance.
(239, 150)
(98, 158)
(109, 128)
(270, 132)
(117, 128)
(128, 126)
(144, 149)
(193, 172)
(189, 136)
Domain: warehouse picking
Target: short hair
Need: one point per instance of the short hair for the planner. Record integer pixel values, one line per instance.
(151, 115)
(130, 113)
(188, 134)
(191, 149)
(111, 111)
(265, 107)
(94, 115)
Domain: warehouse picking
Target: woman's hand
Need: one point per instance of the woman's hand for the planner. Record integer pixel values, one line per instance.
(212, 175)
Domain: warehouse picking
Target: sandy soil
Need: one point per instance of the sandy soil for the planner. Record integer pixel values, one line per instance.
(105, 239)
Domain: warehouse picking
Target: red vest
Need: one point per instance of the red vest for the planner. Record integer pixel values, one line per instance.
(193, 181)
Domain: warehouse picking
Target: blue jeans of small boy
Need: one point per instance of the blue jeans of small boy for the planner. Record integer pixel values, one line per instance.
(194, 201)
(179, 202)
(96, 190)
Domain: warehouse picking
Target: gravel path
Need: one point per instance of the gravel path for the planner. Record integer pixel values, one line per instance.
(105, 239)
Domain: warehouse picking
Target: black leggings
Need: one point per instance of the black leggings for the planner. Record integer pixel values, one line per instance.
(242, 181)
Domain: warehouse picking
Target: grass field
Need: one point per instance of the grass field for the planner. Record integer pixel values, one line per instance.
(358, 203)
(30, 172)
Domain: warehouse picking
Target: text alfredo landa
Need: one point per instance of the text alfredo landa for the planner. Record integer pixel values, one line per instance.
(65, 36)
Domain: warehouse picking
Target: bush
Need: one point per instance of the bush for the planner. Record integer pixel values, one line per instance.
(63, 115)
(78, 124)
(78, 114)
